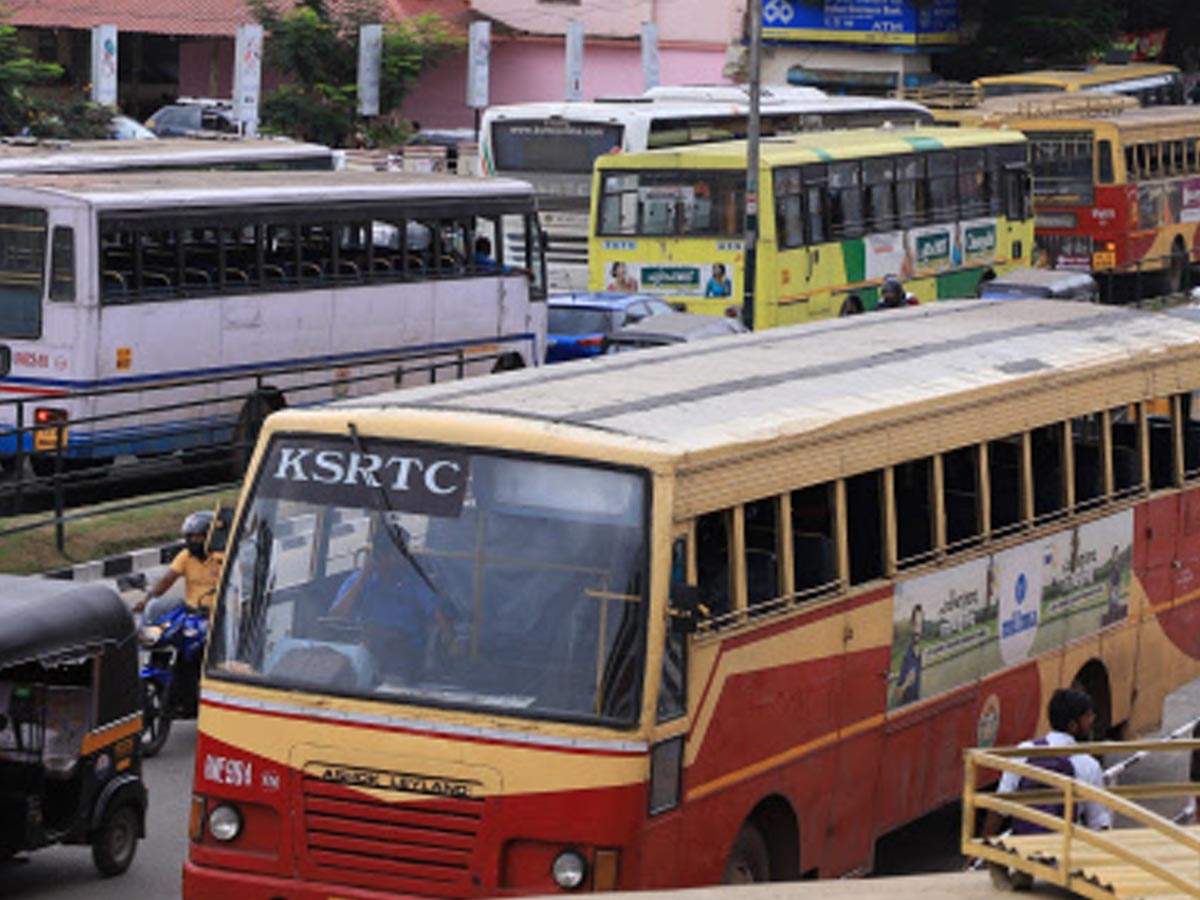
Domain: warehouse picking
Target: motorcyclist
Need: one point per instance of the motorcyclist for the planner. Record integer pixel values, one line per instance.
(200, 570)
(892, 294)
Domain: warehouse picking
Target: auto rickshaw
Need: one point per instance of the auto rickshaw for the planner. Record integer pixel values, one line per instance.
(70, 721)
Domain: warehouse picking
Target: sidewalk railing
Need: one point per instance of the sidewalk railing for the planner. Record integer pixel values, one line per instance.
(1069, 849)
(53, 465)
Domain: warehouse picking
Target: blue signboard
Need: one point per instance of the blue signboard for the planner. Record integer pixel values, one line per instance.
(861, 21)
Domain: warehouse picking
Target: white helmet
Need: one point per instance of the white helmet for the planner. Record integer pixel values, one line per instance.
(196, 523)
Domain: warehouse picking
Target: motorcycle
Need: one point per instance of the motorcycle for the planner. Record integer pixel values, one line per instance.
(172, 642)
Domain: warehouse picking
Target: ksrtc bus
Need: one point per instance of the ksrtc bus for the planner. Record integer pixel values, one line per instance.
(128, 282)
(724, 611)
(939, 208)
(64, 157)
(554, 145)
(1152, 84)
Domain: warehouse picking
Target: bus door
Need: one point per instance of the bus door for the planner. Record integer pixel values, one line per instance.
(668, 741)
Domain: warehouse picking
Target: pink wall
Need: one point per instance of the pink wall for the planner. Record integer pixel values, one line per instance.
(206, 69)
(534, 70)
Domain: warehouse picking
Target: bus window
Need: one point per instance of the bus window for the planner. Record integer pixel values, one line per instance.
(762, 550)
(1189, 411)
(672, 693)
(789, 211)
(1061, 163)
(1162, 443)
(1049, 486)
(972, 173)
(960, 493)
(814, 540)
(845, 200)
(943, 193)
(22, 271)
(879, 177)
(62, 265)
(814, 202)
(911, 190)
(1006, 482)
(864, 524)
(914, 511)
(712, 562)
(1125, 427)
(1104, 162)
(1087, 450)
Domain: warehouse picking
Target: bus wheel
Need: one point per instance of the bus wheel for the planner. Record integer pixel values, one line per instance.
(851, 306)
(1092, 679)
(748, 860)
(1178, 267)
(250, 420)
(509, 362)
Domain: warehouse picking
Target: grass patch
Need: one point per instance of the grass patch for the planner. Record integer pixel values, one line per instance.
(101, 535)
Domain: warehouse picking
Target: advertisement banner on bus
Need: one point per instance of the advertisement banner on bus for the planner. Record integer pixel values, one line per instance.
(956, 625)
(673, 279)
(862, 21)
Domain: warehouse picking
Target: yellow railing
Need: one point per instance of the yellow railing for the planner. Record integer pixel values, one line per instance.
(1069, 793)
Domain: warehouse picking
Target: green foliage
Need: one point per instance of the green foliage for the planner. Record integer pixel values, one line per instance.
(18, 72)
(316, 49)
(76, 119)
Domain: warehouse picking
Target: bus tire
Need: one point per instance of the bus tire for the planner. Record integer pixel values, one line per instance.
(250, 420)
(749, 861)
(509, 362)
(1177, 268)
(1092, 679)
(851, 306)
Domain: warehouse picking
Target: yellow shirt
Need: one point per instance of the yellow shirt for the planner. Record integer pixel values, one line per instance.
(199, 577)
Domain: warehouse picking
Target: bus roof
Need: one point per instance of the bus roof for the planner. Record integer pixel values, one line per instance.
(123, 190)
(1035, 118)
(817, 380)
(622, 109)
(1079, 79)
(813, 146)
(95, 156)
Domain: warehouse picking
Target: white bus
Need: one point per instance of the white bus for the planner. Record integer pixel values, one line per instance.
(133, 281)
(64, 157)
(553, 145)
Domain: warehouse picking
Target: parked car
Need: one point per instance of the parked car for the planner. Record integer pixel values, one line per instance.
(579, 322)
(123, 128)
(666, 330)
(1050, 284)
(191, 116)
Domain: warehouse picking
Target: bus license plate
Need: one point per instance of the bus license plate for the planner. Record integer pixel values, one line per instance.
(1105, 259)
(45, 440)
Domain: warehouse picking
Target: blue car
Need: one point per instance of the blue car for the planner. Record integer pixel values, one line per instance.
(580, 322)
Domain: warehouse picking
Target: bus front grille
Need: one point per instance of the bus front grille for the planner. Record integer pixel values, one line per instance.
(422, 847)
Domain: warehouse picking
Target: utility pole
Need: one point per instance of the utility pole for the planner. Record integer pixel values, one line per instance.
(753, 131)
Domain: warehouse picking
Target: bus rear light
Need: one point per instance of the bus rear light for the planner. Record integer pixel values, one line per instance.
(45, 415)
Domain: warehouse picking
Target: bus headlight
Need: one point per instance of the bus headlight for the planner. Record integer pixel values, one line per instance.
(225, 822)
(569, 870)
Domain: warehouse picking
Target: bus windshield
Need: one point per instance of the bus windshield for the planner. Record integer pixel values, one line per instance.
(22, 255)
(423, 574)
(1061, 164)
(553, 145)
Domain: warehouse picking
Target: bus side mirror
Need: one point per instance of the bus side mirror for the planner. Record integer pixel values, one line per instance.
(544, 239)
(218, 532)
(685, 608)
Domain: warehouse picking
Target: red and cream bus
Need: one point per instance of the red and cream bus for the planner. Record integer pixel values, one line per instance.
(1115, 191)
(708, 613)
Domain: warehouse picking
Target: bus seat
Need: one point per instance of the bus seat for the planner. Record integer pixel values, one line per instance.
(196, 276)
(272, 272)
(113, 283)
(237, 275)
(346, 267)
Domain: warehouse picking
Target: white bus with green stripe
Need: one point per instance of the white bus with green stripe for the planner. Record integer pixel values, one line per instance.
(940, 208)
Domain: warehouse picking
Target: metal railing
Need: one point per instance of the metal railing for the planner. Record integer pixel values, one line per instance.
(213, 437)
(1067, 850)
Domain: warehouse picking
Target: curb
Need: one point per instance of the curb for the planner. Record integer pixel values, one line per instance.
(125, 567)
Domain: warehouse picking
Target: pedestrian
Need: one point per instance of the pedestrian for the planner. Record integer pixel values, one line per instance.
(1072, 716)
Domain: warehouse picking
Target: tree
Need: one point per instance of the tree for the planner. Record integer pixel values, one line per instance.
(19, 71)
(316, 48)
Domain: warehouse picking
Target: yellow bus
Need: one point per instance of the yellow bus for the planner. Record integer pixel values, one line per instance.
(1152, 84)
(938, 208)
(726, 611)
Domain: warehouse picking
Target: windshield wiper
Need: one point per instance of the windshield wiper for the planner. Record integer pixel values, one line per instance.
(393, 531)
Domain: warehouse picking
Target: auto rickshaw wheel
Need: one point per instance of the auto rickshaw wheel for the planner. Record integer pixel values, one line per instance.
(156, 719)
(115, 842)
